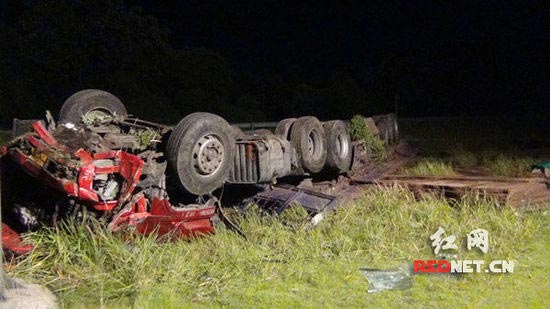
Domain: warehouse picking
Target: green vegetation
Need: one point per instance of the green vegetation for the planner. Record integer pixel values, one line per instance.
(145, 137)
(95, 117)
(491, 146)
(430, 166)
(360, 131)
(511, 166)
(281, 265)
(490, 163)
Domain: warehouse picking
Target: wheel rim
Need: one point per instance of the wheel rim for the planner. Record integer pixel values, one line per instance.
(310, 144)
(208, 154)
(313, 145)
(342, 146)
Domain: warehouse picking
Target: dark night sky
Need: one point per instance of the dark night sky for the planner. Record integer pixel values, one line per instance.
(482, 56)
(443, 58)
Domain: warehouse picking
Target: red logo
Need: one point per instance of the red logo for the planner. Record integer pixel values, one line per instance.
(432, 266)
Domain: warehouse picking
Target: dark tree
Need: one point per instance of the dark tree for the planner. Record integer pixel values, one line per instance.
(55, 48)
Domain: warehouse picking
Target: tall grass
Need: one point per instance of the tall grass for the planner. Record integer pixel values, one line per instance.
(506, 165)
(431, 167)
(281, 264)
(490, 162)
(488, 144)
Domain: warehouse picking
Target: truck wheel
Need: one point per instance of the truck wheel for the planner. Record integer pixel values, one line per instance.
(308, 138)
(90, 101)
(200, 151)
(283, 128)
(339, 152)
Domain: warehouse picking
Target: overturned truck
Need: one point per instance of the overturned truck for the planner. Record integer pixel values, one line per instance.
(103, 162)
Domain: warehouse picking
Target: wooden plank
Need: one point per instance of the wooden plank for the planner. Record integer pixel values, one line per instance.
(469, 178)
(514, 192)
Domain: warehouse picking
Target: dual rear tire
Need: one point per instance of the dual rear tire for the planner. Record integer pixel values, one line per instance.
(309, 139)
(340, 149)
(318, 146)
(201, 147)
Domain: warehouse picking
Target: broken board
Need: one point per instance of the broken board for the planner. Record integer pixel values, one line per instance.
(513, 192)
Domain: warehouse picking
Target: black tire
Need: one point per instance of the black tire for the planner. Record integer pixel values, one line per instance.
(89, 100)
(195, 138)
(308, 138)
(283, 128)
(339, 147)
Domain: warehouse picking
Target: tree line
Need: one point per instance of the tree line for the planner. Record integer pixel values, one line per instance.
(52, 49)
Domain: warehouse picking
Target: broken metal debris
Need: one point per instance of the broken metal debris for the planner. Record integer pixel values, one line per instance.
(275, 199)
(12, 241)
(543, 168)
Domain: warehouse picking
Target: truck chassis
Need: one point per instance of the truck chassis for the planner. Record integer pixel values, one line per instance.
(121, 168)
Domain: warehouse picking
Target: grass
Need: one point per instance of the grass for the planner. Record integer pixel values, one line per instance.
(359, 130)
(492, 145)
(282, 265)
(446, 159)
(490, 162)
(511, 166)
(430, 166)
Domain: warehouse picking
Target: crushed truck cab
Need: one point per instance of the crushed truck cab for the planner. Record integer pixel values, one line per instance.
(107, 182)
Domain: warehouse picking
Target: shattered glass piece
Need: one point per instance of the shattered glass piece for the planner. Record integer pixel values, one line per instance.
(399, 278)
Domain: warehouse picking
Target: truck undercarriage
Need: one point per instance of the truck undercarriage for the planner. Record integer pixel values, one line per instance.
(97, 159)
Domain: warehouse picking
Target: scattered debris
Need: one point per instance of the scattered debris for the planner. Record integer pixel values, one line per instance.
(275, 199)
(12, 241)
(543, 168)
(399, 278)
